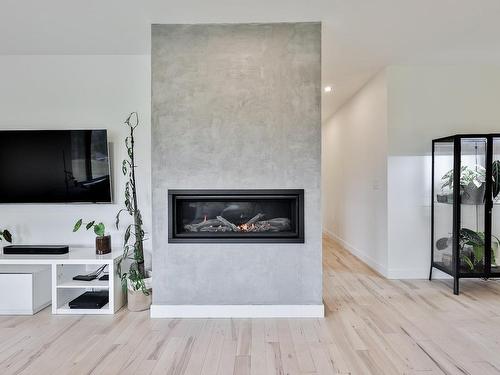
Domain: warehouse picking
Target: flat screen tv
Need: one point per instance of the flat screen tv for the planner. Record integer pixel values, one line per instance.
(54, 166)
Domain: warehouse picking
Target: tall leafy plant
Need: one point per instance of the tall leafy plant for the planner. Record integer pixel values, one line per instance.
(133, 244)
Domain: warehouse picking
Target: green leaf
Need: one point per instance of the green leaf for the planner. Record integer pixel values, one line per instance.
(77, 226)
(132, 120)
(469, 262)
(124, 167)
(478, 254)
(117, 219)
(127, 233)
(99, 229)
(496, 178)
(495, 240)
(89, 225)
(469, 237)
(127, 190)
(8, 237)
(126, 250)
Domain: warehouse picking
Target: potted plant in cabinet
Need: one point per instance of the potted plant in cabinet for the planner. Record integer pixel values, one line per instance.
(472, 185)
(102, 241)
(472, 254)
(471, 247)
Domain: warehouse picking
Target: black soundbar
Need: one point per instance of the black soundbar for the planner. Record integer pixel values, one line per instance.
(36, 249)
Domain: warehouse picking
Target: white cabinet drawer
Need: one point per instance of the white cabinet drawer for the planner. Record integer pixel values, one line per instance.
(24, 290)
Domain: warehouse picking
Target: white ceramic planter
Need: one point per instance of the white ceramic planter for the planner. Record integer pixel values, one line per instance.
(137, 300)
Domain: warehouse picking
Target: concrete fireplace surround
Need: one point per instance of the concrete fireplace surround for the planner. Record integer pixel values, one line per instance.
(236, 106)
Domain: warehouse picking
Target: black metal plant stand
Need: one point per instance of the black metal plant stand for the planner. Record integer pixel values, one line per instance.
(465, 190)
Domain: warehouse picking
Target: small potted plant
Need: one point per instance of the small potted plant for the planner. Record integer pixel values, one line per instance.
(472, 250)
(5, 235)
(102, 241)
(472, 185)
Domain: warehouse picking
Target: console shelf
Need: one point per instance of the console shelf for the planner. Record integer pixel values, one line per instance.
(79, 261)
(74, 284)
(66, 310)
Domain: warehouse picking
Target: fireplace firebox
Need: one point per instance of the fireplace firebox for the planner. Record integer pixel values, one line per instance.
(236, 216)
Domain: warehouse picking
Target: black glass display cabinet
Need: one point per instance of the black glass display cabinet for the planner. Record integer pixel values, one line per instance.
(465, 214)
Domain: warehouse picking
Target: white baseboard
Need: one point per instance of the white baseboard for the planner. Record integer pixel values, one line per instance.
(415, 273)
(237, 311)
(25, 311)
(391, 273)
(21, 311)
(357, 253)
(17, 312)
(408, 273)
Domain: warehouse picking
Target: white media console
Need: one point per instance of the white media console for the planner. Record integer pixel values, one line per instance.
(62, 270)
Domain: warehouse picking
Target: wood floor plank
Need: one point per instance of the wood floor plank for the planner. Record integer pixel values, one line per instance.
(258, 348)
(302, 352)
(228, 357)
(214, 352)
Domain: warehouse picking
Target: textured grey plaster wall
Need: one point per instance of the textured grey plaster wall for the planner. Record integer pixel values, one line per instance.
(236, 106)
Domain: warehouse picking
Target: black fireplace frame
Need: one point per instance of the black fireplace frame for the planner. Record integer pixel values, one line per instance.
(277, 237)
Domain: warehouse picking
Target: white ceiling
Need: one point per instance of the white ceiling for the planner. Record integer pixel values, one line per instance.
(360, 37)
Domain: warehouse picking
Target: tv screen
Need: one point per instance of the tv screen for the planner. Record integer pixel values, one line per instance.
(54, 166)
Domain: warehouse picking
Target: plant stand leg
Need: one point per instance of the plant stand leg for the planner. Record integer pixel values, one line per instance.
(430, 273)
(455, 286)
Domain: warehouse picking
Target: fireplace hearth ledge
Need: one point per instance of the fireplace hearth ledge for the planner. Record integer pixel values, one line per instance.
(238, 311)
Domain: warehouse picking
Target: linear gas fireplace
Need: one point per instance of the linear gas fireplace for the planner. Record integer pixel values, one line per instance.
(236, 215)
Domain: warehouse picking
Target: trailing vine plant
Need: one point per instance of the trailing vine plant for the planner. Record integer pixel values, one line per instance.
(133, 243)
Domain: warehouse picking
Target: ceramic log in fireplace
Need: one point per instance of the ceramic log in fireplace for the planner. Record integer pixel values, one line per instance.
(236, 216)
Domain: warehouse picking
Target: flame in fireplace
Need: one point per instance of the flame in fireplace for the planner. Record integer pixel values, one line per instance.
(246, 227)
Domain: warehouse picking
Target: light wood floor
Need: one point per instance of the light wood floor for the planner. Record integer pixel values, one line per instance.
(373, 326)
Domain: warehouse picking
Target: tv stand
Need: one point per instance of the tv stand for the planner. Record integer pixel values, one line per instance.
(36, 249)
(78, 261)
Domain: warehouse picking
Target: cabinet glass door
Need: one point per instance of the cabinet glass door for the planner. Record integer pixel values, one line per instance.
(472, 205)
(495, 212)
(443, 205)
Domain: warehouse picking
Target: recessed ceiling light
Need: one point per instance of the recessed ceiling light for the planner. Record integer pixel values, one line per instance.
(328, 88)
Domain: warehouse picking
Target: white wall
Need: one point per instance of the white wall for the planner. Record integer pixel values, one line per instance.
(427, 102)
(64, 92)
(420, 103)
(354, 173)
